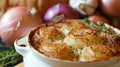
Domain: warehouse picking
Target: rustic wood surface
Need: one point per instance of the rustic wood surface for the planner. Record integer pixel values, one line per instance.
(20, 65)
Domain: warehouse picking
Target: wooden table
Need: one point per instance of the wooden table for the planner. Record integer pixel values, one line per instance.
(20, 65)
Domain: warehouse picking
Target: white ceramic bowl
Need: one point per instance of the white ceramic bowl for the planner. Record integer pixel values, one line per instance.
(33, 58)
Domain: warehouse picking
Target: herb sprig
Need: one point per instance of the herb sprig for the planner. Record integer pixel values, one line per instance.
(9, 57)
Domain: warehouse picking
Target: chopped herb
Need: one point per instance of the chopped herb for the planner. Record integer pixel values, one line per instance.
(101, 25)
(109, 31)
(105, 29)
(86, 20)
(89, 23)
(92, 25)
(70, 46)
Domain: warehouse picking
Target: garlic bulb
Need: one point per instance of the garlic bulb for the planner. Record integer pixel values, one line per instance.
(85, 7)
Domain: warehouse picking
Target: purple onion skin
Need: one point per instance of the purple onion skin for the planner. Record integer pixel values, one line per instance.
(61, 9)
(51, 12)
(68, 12)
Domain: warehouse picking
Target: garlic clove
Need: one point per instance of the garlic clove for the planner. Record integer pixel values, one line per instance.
(85, 7)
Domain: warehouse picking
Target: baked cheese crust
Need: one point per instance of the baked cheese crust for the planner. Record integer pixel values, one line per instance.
(76, 40)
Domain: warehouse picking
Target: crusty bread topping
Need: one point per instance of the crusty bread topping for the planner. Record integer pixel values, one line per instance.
(76, 40)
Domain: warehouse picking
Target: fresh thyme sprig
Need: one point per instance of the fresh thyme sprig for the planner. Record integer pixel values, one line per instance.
(9, 57)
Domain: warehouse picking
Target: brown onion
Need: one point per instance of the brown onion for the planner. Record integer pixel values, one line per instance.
(17, 22)
(111, 8)
(98, 18)
(116, 23)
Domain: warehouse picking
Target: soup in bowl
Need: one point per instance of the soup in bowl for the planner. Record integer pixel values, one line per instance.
(72, 43)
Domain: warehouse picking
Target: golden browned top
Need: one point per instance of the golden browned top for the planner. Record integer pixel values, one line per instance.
(76, 40)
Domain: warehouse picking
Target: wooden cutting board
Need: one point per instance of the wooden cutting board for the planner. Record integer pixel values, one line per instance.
(20, 65)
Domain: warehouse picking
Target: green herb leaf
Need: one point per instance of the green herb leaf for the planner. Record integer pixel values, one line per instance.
(105, 29)
(9, 57)
(86, 20)
(101, 25)
(92, 25)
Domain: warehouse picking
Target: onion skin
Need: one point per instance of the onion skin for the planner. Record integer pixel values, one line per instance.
(116, 23)
(61, 9)
(98, 18)
(84, 7)
(16, 23)
(110, 8)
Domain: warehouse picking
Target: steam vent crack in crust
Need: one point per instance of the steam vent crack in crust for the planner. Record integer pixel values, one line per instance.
(76, 40)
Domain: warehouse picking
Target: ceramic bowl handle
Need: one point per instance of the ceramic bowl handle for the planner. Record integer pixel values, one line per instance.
(21, 46)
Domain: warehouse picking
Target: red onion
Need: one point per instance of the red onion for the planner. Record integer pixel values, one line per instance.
(59, 12)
